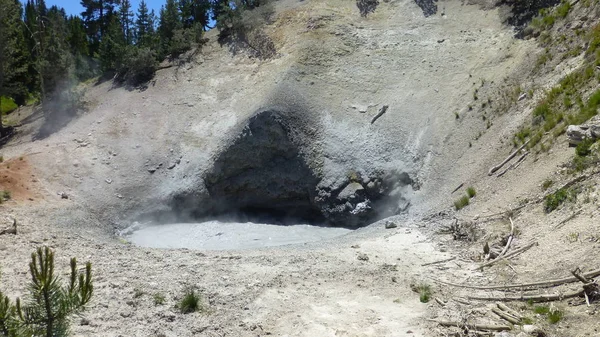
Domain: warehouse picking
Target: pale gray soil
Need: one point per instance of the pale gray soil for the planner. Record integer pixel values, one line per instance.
(333, 72)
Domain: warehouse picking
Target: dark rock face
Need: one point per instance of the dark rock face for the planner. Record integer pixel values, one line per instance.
(264, 173)
(263, 170)
(429, 7)
(522, 11)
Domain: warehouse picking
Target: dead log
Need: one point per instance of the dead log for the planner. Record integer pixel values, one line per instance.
(506, 316)
(514, 165)
(540, 284)
(530, 298)
(472, 325)
(507, 309)
(511, 156)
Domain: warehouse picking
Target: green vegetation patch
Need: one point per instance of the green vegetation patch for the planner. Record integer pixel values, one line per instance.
(191, 302)
(461, 203)
(554, 200)
(7, 105)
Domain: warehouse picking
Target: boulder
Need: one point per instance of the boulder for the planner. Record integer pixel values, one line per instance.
(590, 129)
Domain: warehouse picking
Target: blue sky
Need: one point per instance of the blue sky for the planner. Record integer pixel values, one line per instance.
(73, 7)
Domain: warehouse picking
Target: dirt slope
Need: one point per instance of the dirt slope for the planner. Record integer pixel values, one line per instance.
(135, 151)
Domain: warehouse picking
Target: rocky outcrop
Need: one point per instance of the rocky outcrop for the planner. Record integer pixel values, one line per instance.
(589, 130)
(266, 171)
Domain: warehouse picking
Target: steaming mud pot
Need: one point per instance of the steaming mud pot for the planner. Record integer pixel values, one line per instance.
(223, 235)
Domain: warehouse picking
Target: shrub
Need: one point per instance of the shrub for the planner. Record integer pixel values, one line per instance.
(546, 184)
(190, 302)
(471, 192)
(7, 105)
(6, 195)
(583, 148)
(139, 65)
(557, 198)
(50, 304)
(461, 203)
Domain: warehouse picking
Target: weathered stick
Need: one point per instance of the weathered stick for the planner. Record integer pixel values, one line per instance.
(510, 156)
(505, 316)
(458, 188)
(532, 298)
(380, 113)
(503, 257)
(540, 284)
(472, 325)
(438, 262)
(567, 219)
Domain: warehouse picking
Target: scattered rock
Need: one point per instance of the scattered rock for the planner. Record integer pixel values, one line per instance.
(362, 257)
(64, 195)
(108, 181)
(390, 224)
(171, 166)
(522, 96)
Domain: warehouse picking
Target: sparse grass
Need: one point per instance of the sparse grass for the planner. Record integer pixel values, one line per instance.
(6, 195)
(424, 292)
(554, 200)
(573, 237)
(190, 302)
(456, 115)
(461, 203)
(541, 309)
(1, 159)
(471, 192)
(554, 316)
(159, 299)
(546, 184)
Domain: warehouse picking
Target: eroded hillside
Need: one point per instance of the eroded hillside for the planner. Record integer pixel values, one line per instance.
(390, 116)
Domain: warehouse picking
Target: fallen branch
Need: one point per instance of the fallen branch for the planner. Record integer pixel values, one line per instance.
(438, 262)
(503, 257)
(440, 302)
(506, 316)
(514, 165)
(505, 308)
(540, 284)
(472, 325)
(380, 113)
(569, 218)
(511, 156)
(458, 188)
(531, 298)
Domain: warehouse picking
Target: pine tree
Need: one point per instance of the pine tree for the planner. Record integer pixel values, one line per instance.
(13, 59)
(126, 19)
(145, 34)
(97, 16)
(47, 310)
(201, 12)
